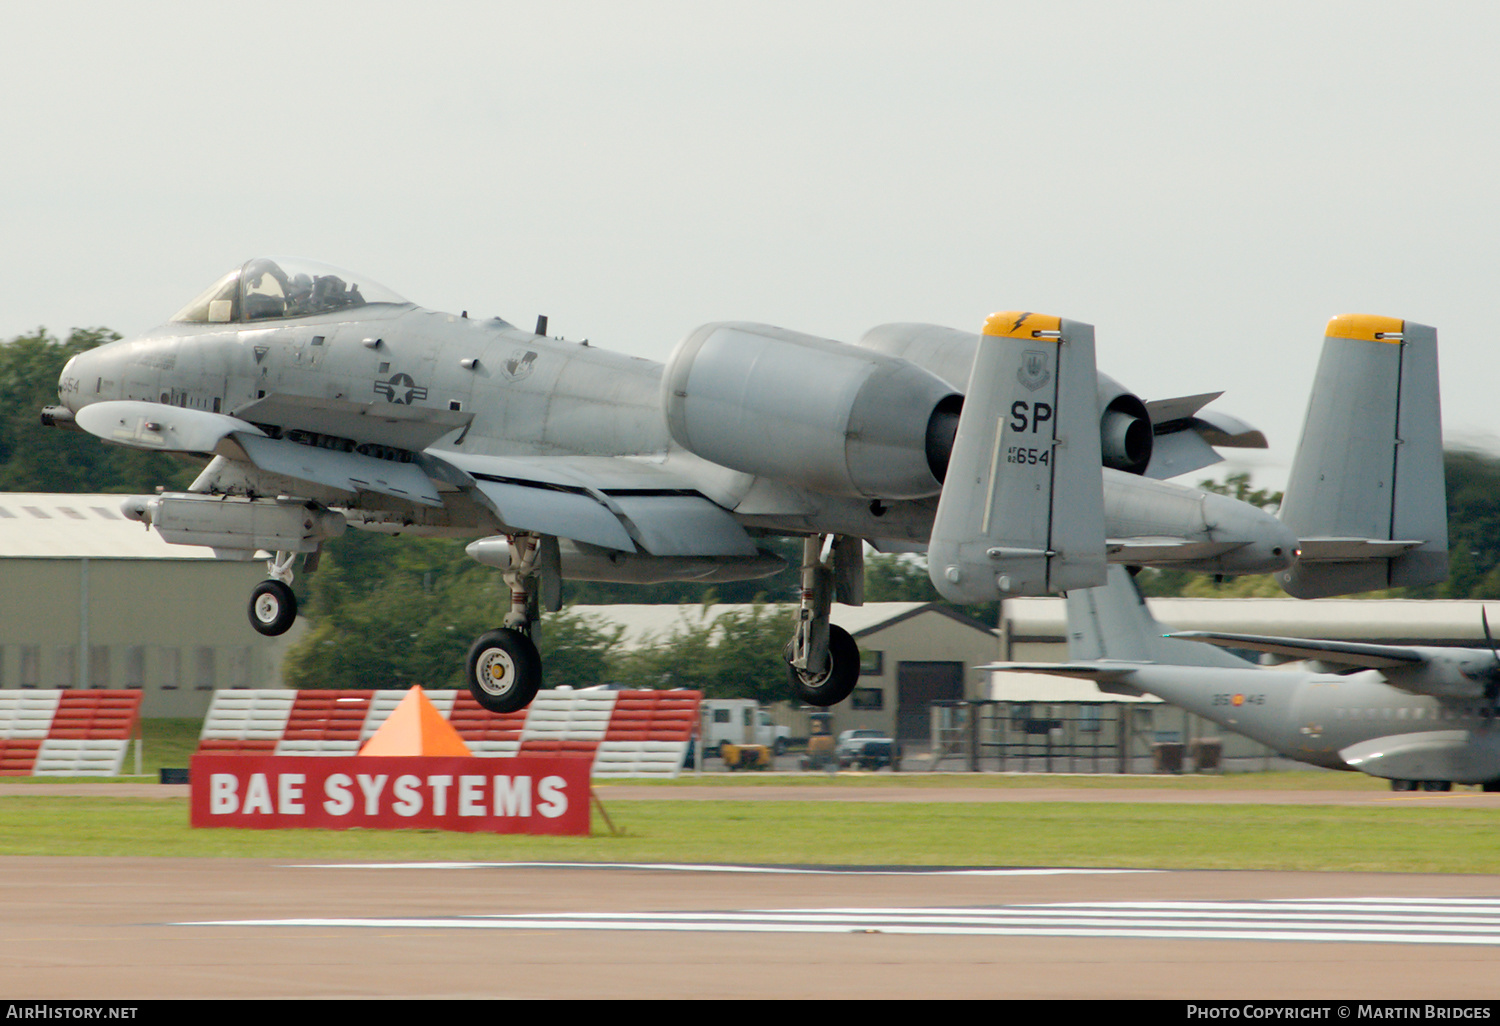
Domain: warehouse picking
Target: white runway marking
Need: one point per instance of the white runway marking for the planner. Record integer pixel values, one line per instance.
(672, 867)
(1362, 920)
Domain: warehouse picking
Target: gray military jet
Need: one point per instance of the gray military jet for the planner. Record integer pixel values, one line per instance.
(323, 399)
(1420, 717)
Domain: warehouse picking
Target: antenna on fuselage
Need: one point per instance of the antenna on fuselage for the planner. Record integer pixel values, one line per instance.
(541, 324)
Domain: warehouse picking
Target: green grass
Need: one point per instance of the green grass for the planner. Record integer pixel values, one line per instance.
(1295, 780)
(1382, 838)
(1119, 835)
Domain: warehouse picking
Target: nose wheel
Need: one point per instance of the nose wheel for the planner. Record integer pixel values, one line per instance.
(273, 608)
(504, 670)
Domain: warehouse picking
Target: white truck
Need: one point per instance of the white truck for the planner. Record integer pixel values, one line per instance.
(740, 721)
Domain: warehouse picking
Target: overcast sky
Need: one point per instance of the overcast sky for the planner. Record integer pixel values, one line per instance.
(1207, 183)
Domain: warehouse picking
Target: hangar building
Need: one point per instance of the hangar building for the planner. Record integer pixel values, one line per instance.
(92, 600)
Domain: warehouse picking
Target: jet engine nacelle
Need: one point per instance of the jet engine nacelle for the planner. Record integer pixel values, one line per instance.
(1125, 429)
(810, 412)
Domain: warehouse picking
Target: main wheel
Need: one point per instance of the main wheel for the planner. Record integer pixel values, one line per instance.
(505, 670)
(838, 678)
(273, 607)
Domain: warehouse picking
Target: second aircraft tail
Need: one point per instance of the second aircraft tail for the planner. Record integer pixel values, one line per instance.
(1114, 623)
(1366, 497)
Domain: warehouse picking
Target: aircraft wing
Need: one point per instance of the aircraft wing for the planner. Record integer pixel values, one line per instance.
(1104, 672)
(163, 428)
(1369, 657)
(617, 503)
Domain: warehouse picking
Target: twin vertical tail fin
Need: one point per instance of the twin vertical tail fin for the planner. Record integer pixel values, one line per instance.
(1022, 506)
(1366, 494)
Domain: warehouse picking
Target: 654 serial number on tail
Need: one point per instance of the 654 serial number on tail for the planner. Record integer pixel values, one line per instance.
(1020, 454)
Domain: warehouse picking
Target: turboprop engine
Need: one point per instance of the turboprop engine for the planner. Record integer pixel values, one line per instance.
(810, 412)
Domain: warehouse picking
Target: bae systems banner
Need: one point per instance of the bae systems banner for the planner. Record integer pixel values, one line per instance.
(504, 796)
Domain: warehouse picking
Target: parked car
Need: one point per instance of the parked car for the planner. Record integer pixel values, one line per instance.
(867, 749)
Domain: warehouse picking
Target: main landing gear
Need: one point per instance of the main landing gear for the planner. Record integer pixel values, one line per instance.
(504, 669)
(273, 607)
(1425, 785)
(822, 659)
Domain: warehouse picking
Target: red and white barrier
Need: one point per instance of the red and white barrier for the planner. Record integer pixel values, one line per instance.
(620, 733)
(66, 733)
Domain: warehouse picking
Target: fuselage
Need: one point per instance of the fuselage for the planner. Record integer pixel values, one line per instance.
(1312, 717)
(510, 392)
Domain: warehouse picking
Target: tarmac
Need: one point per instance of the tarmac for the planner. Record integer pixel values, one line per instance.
(136, 929)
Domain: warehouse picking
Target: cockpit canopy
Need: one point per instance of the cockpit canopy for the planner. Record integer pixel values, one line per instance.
(277, 289)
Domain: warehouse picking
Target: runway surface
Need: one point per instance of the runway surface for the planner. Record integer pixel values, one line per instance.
(204, 928)
(135, 929)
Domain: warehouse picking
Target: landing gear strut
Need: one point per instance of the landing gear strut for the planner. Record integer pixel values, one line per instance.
(504, 669)
(822, 659)
(273, 607)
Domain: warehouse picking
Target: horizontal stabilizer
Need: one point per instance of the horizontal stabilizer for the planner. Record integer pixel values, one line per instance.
(1370, 463)
(1336, 550)
(1165, 551)
(1022, 506)
(1370, 657)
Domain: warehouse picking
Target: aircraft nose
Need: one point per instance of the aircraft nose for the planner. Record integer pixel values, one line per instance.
(1271, 545)
(86, 379)
(67, 383)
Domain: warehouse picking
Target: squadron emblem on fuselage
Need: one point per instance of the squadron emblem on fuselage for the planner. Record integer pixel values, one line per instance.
(519, 366)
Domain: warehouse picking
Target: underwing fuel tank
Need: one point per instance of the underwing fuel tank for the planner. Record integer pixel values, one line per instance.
(810, 412)
(234, 525)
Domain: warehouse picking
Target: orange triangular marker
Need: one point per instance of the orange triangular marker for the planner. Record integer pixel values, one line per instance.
(415, 727)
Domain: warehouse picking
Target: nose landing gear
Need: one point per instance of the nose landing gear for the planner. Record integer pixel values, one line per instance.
(273, 607)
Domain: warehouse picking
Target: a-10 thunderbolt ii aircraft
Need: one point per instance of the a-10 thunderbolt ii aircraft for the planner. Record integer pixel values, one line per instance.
(324, 399)
(1421, 717)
